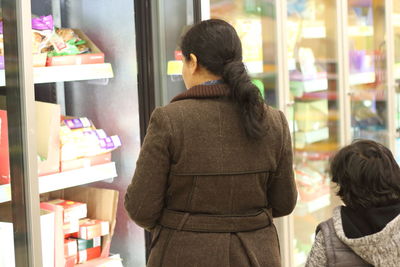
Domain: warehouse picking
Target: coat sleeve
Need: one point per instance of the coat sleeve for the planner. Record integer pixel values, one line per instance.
(317, 257)
(144, 199)
(282, 192)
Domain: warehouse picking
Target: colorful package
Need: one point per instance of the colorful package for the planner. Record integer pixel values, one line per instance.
(89, 254)
(72, 210)
(89, 229)
(85, 244)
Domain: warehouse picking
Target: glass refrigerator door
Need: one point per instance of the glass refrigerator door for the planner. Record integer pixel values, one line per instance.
(169, 30)
(254, 22)
(312, 53)
(19, 212)
(367, 69)
(396, 24)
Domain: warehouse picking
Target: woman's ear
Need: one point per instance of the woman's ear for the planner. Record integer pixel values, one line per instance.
(193, 64)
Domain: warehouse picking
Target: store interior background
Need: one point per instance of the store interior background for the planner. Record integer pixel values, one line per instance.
(315, 113)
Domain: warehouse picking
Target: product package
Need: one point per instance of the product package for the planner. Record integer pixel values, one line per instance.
(4, 152)
(85, 244)
(91, 228)
(71, 210)
(89, 254)
(70, 247)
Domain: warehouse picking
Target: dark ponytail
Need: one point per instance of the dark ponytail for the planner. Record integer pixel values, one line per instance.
(218, 49)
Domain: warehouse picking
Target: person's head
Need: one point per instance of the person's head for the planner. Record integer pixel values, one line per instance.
(367, 175)
(213, 49)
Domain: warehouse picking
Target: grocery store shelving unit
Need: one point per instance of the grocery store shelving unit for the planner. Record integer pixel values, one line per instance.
(68, 73)
(67, 179)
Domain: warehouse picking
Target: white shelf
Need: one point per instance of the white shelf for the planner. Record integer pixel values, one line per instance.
(68, 73)
(362, 78)
(360, 31)
(67, 179)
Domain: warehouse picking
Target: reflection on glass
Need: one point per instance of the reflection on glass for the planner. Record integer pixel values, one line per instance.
(311, 35)
(367, 69)
(396, 24)
(254, 22)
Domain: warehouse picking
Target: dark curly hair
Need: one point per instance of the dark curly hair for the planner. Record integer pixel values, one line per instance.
(367, 175)
(218, 49)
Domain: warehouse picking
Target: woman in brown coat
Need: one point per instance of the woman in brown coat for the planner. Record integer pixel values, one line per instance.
(216, 163)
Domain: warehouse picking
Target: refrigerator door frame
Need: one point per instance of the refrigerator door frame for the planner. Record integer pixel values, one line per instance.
(22, 140)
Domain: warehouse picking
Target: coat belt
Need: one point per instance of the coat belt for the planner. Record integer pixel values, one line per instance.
(185, 221)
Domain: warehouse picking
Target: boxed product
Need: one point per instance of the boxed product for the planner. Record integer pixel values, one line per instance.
(94, 57)
(72, 210)
(89, 254)
(311, 115)
(101, 204)
(48, 137)
(70, 247)
(67, 165)
(85, 244)
(91, 228)
(4, 152)
(112, 261)
(71, 227)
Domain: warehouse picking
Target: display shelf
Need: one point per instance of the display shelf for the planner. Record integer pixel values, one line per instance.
(67, 179)
(362, 78)
(68, 73)
(360, 31)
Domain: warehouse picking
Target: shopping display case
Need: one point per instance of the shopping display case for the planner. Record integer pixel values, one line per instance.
(333, 67)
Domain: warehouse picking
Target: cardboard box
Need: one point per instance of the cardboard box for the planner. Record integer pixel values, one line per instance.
(89, 254)
(71, 227)
(72, 210)
(91, 228)
(95, 57)
(48, 137)
(4, 152)
(70, 247)
(85, 244)
(59, 259)
(47, 226)
(68, 165)
(101, 204)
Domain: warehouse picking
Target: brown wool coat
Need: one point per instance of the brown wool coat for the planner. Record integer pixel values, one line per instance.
(205, 190)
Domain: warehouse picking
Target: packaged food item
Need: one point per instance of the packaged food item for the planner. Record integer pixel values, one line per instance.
(77, 123)
(89, 254)
(71, 210)
(70, 247)
(91, 243)
(71, 227)
(91, 228)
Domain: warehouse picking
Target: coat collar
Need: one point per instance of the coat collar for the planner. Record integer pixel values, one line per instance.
(204, 91)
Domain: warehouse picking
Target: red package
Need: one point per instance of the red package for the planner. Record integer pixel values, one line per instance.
(4, 155)
(72, 210)
(89, 254)
(89, 229)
